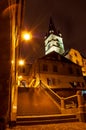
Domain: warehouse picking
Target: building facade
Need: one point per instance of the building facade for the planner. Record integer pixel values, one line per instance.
(56, 71)
(77, 58)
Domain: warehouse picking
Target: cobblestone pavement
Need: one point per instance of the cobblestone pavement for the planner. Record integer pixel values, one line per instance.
(60, 126)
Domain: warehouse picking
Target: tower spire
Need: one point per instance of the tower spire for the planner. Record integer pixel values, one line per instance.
(52, 28)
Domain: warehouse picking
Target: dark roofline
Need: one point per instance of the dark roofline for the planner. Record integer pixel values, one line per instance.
(83, 55)
(63, 58)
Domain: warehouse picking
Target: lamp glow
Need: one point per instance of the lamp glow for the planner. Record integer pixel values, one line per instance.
(21, 62)
(26, 36)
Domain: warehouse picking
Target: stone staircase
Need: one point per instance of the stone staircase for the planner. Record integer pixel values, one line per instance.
(31, 115)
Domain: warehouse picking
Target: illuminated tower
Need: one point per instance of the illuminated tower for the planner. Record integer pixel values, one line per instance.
(53, 40)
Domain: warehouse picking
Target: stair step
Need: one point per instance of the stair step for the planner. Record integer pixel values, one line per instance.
(45, 119)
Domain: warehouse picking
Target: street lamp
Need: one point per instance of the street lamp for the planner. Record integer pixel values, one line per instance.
(26, 35)
(21, 62)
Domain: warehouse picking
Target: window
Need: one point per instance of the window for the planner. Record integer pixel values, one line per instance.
(23, 70)
(75, 54)
(78, 71)
(70, 70)
(45, 67)
(49, 81)
(77, 62)
(54, 68)
(82, 84)
(53, 81)
(77, 84)
(73, 84)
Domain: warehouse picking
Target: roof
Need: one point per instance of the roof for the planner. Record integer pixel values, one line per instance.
(83, 56)
(67, 51)
(54, 56)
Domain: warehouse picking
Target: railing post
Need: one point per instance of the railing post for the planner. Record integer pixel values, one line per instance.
(81, 108)
(62, 105)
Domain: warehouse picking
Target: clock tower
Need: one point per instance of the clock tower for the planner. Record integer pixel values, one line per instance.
(53, 40)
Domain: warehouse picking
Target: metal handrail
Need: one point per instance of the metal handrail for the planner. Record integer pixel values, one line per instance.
(53, 94)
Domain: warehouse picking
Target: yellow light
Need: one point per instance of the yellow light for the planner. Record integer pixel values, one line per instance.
(21, 62)
(12, 62)
(20, 77)
(26, 36)
(14, 107)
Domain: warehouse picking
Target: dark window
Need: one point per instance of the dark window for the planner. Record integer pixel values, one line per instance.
(73, 84)
(45, 67)
(23, 70)
(82, 84)
(70, 70)
(53, 81)
(77, 62)
(54, 68)
(49, 81)
(75, 54)
(78, 71)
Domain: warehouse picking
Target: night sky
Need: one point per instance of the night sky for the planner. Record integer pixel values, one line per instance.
(69, 17)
